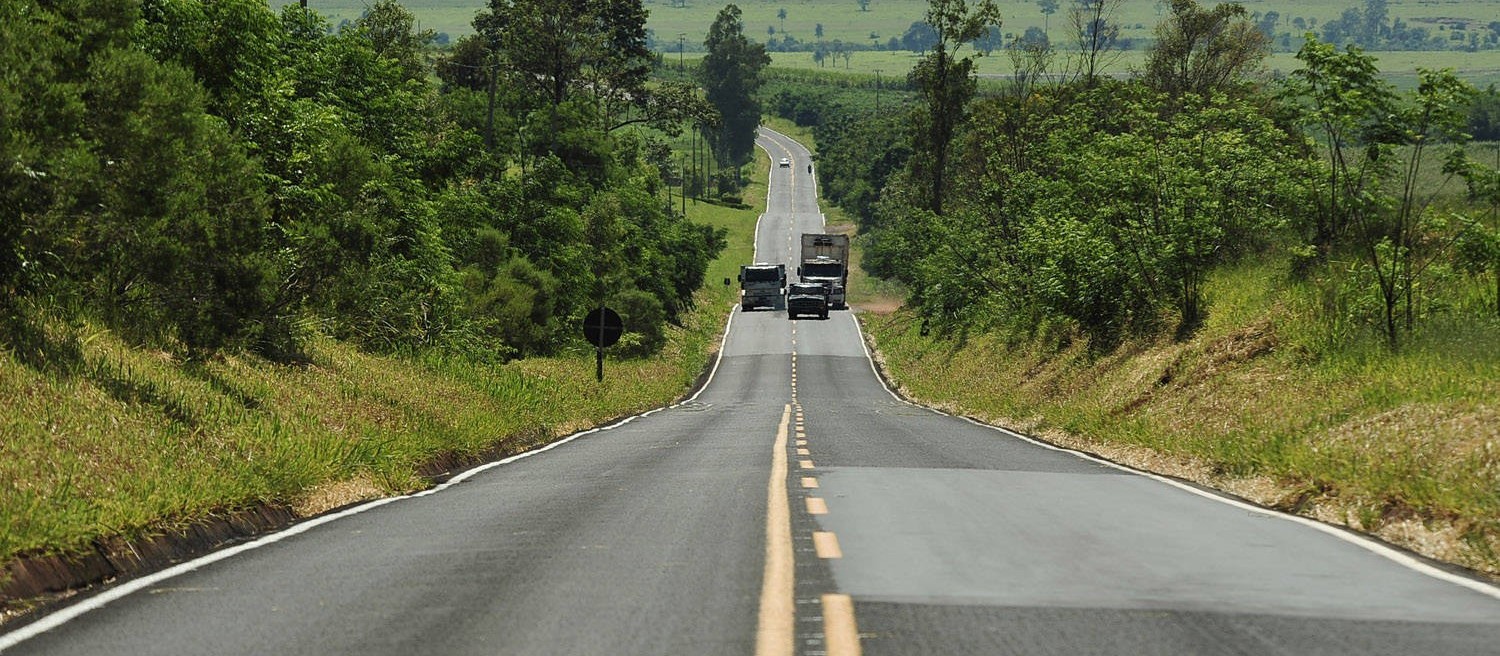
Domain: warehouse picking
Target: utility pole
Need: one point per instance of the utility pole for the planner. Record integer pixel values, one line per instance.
(489, 122)
(680, 36)
(877, 92)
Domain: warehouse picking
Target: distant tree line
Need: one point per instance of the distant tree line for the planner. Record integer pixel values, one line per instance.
(1370, 26)
(1366, 23)
(209, 174)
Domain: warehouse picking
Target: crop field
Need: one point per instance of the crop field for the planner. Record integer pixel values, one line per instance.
(842, 20)
(1480, 68)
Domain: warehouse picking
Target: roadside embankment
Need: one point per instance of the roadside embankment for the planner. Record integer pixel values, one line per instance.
(1403, 446)
(117, 460)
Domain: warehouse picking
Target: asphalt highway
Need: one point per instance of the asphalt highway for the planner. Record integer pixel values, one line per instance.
(794, 506)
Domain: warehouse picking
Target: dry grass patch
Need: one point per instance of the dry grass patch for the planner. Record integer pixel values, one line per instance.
(327, 496)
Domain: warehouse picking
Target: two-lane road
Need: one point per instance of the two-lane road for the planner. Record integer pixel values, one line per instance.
(794, 506)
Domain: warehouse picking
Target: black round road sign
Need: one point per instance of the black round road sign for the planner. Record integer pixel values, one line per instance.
(602, 327)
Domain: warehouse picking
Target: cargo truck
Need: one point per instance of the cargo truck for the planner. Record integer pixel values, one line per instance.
(761, 285)
(825, 260)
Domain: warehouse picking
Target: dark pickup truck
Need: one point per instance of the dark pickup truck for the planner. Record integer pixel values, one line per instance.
(806, 299)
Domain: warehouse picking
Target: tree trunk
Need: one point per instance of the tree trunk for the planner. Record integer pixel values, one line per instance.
(1392, 336)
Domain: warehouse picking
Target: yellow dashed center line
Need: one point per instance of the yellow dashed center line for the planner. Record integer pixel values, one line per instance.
(776, 633)
(827, 545)
(840, 634)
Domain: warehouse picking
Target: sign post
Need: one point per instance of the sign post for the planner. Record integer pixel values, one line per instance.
(602, 328)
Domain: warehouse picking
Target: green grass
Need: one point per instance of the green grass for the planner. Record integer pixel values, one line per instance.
(1404, 445)
(105, 439)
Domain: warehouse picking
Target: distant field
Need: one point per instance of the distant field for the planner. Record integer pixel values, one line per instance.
(1480, 68)
(842, 20)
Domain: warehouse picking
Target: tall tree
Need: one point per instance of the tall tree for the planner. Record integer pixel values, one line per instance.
(560, 47)
(1048, 8)
(730, 74)
(1339, 93)
(1096, 33)
(1202, 50)
(946, 83)
(392, 32)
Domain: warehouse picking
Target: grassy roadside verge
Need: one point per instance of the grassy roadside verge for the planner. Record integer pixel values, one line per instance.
(103, 441)
(1406, 448)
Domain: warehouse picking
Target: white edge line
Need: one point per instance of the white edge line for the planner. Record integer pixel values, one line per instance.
(809, 155)
(858, 327)
(63, 616)
(723, 341)
(1368, 544)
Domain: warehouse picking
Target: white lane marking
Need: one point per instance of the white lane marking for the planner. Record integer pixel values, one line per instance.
(871, 359)
(755, 255)
(65, 615)
(1368, 544)
(809, 154)
(723, 342)
(790, 215)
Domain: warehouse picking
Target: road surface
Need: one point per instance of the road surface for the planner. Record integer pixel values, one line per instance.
(793, 506)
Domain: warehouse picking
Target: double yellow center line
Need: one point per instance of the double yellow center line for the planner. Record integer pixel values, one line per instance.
(776, 629)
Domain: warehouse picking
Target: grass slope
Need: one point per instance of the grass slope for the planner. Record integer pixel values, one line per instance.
(1406, 447)
(106, 440)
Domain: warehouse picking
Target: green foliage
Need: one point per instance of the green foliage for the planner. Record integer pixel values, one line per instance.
(860, 126)
(208, 175)
(946, 84)
(1484, 115)
(730, 75)
(1374, 202)
(1099, 209)
(1201, 50)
